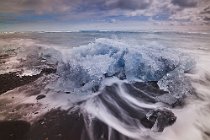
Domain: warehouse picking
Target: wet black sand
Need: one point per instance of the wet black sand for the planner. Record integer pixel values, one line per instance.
(9, 81)
(14, 130)
(55, 125)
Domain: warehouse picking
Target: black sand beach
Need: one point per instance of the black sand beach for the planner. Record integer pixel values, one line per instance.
(102, 89)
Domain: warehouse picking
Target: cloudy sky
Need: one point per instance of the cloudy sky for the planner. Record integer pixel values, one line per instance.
(68, 15)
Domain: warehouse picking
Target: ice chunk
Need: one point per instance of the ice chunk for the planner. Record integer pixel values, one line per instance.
(176, 83)
(87, 66)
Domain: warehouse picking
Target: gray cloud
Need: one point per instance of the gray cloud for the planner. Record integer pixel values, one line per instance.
(185, 3)
(176, 10)
(36, 6)
(198, 14)
(130, 4)
(41, 6)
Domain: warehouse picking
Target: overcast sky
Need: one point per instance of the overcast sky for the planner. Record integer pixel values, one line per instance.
(69, 15)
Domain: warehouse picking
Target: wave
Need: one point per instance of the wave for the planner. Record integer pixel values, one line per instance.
(129, 88)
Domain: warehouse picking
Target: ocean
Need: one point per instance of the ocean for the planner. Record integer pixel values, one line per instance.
(104, 85)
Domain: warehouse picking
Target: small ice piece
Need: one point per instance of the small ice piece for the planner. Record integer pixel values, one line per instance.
(176, 83)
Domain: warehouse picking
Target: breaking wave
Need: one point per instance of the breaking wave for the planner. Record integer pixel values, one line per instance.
(129, 88)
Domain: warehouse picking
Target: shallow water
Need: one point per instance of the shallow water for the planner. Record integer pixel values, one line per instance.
(130, 85)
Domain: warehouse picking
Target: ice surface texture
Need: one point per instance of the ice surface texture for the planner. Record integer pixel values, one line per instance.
(86, 67)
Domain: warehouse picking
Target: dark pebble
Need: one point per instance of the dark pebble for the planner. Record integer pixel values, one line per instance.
(67, 92)
(40, 97)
